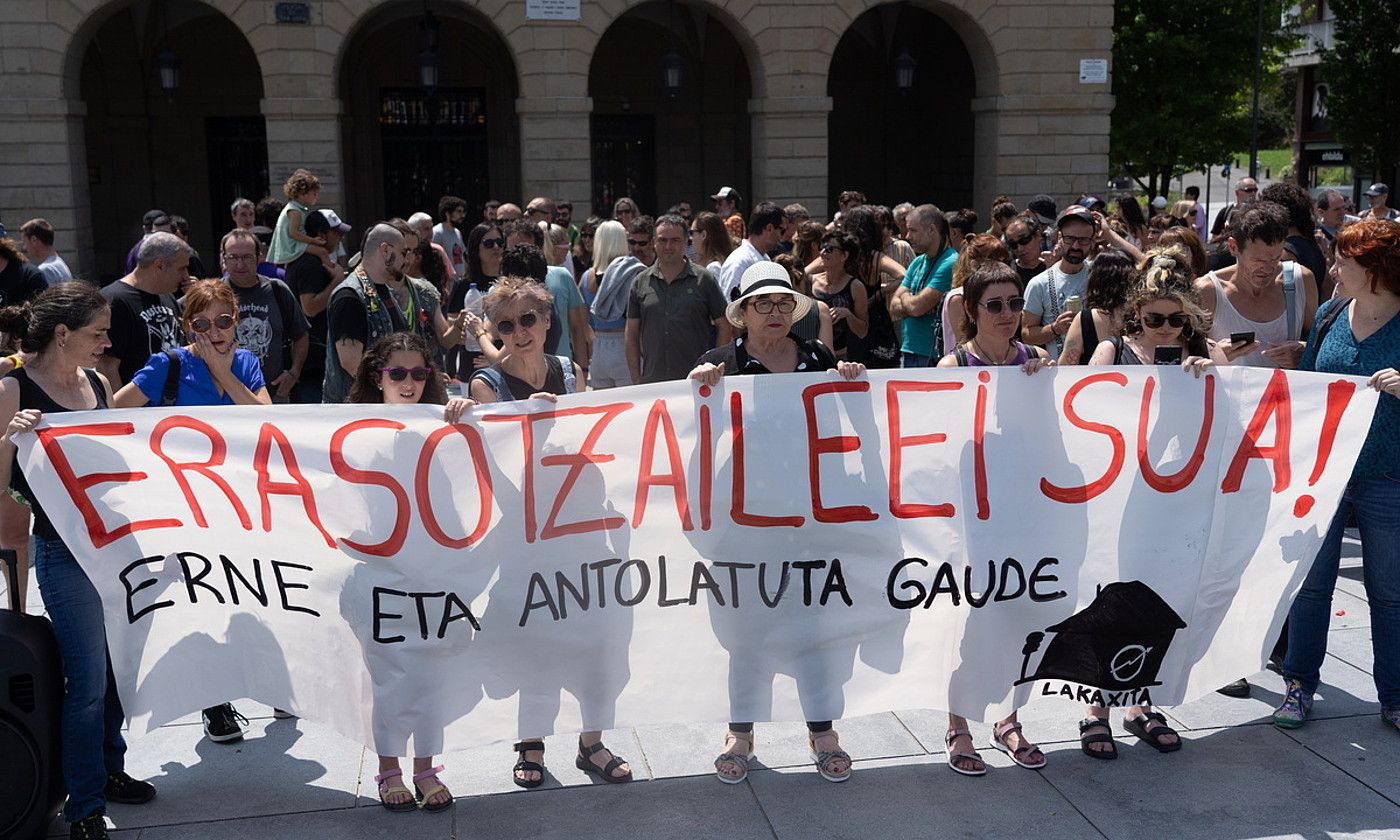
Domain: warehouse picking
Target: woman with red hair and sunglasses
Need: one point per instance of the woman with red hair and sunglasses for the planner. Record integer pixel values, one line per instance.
(1357, 333)
(211, 370)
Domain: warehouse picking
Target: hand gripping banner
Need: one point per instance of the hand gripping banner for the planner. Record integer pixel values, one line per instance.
(779, 547)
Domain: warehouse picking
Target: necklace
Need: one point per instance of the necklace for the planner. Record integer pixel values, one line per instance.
(1010, 352)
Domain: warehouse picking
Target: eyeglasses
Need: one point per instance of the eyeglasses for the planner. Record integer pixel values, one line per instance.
(827, 249)
(1076, 240)
(493, 243)
(996, 305)
(202, 325)
(1017, 243)
(533, 210)
(1249, 189)
(1155, 320)
(239, 257)
(528, 320)
(766, 307)
(399, 374)
(638, 243)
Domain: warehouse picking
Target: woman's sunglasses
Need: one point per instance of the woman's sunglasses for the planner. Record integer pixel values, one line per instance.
(1017, 243)
(1155, 320)
(202, 325)
(528, 320)
(827, 249)
(399, 374)
(995, 305)
(493, 243)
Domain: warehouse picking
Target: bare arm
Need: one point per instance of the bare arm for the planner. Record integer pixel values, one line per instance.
(349, 352)
(581, 334)
(859, 319)
(1034, 332)
(1073, 350)
(129, 396)
(825, 333)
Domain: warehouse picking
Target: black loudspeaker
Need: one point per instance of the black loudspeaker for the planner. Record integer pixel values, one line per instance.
(31, 704)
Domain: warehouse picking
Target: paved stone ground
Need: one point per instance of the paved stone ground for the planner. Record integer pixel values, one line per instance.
(1237, 777)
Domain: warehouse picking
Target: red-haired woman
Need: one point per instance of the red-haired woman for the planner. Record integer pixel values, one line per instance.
(1357, 333)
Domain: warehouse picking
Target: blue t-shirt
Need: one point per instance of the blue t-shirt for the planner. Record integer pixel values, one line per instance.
(918, 330)
(196, 382)
(1340, 353)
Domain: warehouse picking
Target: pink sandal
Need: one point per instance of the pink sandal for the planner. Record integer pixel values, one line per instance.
(385, 789)
(432, 790)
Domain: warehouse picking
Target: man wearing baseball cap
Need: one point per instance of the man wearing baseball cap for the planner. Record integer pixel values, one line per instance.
(1379, 194)
(727, 207)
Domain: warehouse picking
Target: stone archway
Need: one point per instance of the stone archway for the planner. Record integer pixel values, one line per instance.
(914, 143)
(190, 152)
(662, 145)
(405, 146)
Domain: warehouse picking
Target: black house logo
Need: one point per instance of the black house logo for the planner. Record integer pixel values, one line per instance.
(1116, 643)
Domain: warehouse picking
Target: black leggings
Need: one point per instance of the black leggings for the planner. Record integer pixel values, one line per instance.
(816, 727)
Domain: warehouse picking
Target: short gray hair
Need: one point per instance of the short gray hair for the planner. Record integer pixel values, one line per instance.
(382, 232)
(238, 204)
(420, 218)
(161, 246)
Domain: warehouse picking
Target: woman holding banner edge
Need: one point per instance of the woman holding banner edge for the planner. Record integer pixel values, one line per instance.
(1357, 333)
(765, 308)
(399, 369)
(65, 328)
(992, 300)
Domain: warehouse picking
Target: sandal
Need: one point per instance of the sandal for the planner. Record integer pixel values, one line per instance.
(1154, 735)
(954, 757)
(433, 790)
(741, 760)
(824, 759)
(585, 763)
(999, 733)
(527, 766)
(1087, 738)
(386, 789)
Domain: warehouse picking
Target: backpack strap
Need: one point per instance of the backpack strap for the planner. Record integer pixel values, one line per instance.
(567, 366)
(170, 394)
(491, 376)
(1329, 315)
(1290, 299)
(960, 353)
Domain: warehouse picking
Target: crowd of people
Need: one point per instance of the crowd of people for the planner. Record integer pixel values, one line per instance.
(525, 304)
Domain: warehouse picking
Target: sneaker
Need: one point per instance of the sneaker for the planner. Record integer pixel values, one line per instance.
(125, 790)
(1297, 705)
(91, 827)
(1391, 718)
(223, 724)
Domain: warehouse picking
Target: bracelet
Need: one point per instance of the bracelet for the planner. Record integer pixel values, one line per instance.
(479, 333)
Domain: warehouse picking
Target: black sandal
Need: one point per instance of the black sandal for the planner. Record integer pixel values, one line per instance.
(1154, 736)
(1085, 739)
(585, 763)
(528, 766)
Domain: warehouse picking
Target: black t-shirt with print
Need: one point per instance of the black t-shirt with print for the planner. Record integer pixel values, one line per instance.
(142, 324)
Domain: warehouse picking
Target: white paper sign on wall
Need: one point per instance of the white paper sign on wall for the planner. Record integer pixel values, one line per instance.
(1093, 71)
(552, 10)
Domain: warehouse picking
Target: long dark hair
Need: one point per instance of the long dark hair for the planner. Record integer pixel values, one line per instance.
(365, 387)
(862, 223)
(474, 238)
(1110, 280)
(431, 265)
(72, 303)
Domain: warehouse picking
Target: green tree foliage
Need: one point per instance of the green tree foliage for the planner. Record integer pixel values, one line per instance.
(1363, 72)
(1183, 75)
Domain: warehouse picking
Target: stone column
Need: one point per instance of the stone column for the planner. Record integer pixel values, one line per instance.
(555, 157)
(1054, 144)
(305, 133)
(790, 150)
(43, 173)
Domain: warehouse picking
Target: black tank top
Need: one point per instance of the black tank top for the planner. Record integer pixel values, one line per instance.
(32, 396)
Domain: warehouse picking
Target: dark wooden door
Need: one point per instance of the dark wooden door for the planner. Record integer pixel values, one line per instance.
(624, 161)
(237, 148)
(433, 146)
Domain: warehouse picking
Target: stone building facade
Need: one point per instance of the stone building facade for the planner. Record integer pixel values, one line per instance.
(951, 101)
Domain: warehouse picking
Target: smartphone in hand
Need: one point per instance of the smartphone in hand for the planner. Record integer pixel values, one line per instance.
(1240, 339)
(1167, 355)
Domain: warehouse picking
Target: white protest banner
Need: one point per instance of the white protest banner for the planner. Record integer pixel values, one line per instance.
(779, 547)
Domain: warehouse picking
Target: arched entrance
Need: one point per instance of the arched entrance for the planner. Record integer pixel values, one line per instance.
(189, 145)
(901, 125)
(670, 86)
(406, 143)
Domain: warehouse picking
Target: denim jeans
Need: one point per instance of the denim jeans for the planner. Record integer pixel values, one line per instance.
(92, 713)
(1376, 501)
(913, 360)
